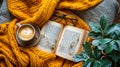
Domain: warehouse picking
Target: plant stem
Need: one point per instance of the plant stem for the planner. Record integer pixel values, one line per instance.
(102, 33)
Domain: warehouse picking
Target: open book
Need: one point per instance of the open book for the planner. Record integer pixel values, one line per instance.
(62, 41)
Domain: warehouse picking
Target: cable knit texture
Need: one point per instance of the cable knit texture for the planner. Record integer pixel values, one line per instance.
(38, 12)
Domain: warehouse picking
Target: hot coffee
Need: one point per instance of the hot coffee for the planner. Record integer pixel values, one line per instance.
(26, 33)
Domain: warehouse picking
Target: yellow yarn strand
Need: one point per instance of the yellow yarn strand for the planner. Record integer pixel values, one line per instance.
(58, 62)
(7, 62)
(39, 15)
(78, 4)
(44, 12)
(5, 51)
(68, 63)
(13, 43)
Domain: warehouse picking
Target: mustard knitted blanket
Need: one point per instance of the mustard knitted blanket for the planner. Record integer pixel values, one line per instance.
(36, 12)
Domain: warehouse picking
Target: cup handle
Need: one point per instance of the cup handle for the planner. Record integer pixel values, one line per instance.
(18, 24)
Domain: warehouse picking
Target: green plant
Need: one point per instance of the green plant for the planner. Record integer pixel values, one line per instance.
(104, 50)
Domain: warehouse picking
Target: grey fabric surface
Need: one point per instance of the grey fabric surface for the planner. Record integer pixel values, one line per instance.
(5, 16)
(108, 7)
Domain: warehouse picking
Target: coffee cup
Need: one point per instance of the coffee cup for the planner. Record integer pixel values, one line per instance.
(27, 35)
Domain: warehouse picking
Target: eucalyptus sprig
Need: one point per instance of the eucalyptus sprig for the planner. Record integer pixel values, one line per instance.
(104, 50)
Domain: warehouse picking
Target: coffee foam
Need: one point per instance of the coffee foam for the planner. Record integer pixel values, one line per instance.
(26, 33)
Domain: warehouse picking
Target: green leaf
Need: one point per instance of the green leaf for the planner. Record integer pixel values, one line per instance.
(87, 63)
(109, 47)
(96, 64)
(106, 63)
(78, 59)
(81, 57)
(97, 53)
(113, 35)
(104, 22)
(95, 42)
(105, 41)
(118, 42)
(88, 49)
(95, 27)
(95, 35)
(116, 47)
(102, 47)
(114, 44)
(115, 55)
(112, 30)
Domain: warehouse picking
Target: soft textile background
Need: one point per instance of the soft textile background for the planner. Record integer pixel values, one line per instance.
(117, 17)
(107, 7)
(5, 16)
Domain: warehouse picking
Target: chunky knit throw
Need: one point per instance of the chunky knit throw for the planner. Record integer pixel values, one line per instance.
(38, 12)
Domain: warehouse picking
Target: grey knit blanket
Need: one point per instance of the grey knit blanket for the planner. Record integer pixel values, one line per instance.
(5, 16)
(106, 7)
